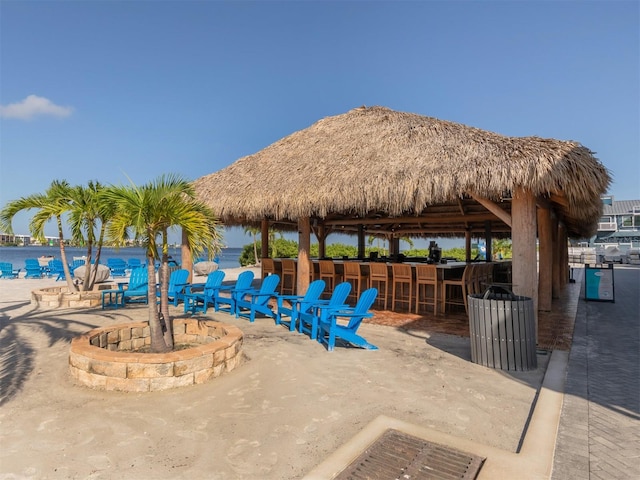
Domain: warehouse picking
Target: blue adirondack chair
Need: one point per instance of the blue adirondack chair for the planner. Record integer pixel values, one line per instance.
(56, 267)
(7, 270)
(198, 296)
(308, 321)
(32, 268)
(298, 303)
(231, 293)
(177, 285)
(138, 287)
(78, 262)
(117, 267)
(329, 330)
(133, 263)
(251, 302)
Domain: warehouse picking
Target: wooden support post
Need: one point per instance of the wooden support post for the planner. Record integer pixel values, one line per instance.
(361, 248)
(487, 240)
(394, 246)
(304, 255)
(187, 259)
(264, 237)
(525, 275)
(467, 245)
(563, 254)
(556, 285)
(545, 259)
(322, 241)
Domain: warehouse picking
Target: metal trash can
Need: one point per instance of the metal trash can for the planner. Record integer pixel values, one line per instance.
(502, 330)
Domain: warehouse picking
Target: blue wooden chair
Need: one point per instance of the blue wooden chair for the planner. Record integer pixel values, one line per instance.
(329, 330)
(56, 267)
(308, 321)
(198, 296)
(137, 290)
(7, 270)
(177, 285)
(78, 262)
(32, 268)
(298, 303)
(231, 293)
(251, 302)
(117, 266)
(134, 263)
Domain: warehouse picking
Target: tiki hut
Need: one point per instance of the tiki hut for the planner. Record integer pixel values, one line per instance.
(377, 171)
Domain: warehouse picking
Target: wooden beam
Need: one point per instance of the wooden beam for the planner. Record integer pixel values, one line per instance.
(493, 208)
(559, 199)
(425, 219)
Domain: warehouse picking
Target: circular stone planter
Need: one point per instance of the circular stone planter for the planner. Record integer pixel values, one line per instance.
(102, 358)
(60, 297)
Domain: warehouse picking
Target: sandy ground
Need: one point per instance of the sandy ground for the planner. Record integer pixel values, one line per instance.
(277, 416)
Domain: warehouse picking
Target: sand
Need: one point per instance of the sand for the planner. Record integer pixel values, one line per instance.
(277, 416)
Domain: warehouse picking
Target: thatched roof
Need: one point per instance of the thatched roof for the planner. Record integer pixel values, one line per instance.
(373, 163)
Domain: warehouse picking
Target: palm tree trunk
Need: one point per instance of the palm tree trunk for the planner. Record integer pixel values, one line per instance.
(164, 293)
(158, 344)
(255, 249)
(63, 256)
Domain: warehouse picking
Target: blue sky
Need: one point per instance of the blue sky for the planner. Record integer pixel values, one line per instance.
(110, 90)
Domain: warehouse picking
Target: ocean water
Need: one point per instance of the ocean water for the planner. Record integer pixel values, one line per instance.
(17, 255)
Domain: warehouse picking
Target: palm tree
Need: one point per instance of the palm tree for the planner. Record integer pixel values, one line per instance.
(179, 209)
(149, 212)
(86, 215)
(51, 205)
(254, 231)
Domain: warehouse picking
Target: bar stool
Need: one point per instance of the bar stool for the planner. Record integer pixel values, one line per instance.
(401, 276)
(329, 275)
(268, 267)
(289, 271)
(353, 274)
(312, 272)
(426, 275)
(379, 277)
(457, 285)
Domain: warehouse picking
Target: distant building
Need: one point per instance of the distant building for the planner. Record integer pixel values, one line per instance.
(11, 239)
(620, 222)
(25, 240)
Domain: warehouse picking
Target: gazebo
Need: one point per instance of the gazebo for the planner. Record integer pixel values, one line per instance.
(376, 171)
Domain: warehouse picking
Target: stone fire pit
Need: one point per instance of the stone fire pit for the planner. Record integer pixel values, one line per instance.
(103, 358)
(60, 297)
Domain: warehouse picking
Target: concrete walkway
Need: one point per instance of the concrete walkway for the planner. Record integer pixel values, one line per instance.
(599, 431)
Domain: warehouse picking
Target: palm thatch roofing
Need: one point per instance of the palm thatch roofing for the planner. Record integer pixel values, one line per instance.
(404, 174)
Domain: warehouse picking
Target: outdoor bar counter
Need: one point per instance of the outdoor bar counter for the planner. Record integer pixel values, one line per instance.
(446, 270)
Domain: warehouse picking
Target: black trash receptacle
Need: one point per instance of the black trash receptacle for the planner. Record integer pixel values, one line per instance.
(502, 330)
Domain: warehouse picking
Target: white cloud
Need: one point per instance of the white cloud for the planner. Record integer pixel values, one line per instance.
(33, 106)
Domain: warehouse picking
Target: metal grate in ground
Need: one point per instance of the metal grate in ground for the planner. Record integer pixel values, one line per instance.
(399, 456)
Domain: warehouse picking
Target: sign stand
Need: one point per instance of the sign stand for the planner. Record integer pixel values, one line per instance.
(599, 285)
